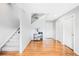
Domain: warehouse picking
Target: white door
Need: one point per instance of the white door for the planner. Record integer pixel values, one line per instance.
(68, 33)
(49, 30)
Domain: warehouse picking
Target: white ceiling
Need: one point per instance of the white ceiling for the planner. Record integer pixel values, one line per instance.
(52, 10)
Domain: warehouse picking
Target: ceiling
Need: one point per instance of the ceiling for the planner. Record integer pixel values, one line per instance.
(51, 10)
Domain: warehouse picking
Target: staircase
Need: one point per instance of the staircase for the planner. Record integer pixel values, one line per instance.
(13, 43)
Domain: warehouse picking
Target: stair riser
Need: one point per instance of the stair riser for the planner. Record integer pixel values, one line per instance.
(12, 45)
(13, 40)
(10, 49)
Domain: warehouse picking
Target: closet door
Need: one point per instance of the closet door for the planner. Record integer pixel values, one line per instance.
(68, 33)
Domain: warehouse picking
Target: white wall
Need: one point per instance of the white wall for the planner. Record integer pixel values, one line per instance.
(8, 16)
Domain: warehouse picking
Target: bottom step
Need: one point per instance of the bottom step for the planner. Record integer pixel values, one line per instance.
(10, 49)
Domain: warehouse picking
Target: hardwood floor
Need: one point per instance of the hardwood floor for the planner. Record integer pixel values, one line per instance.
(48, 47)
